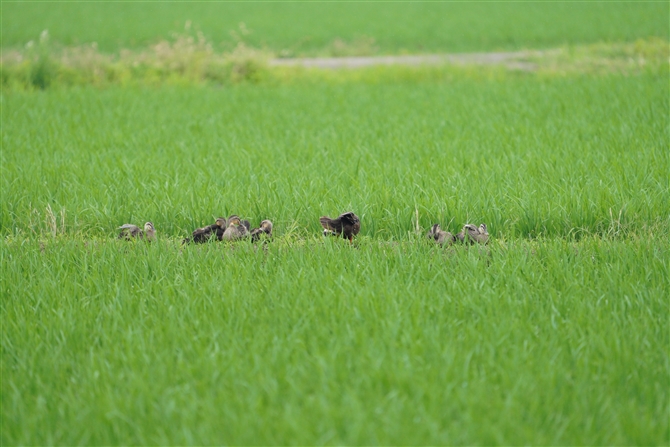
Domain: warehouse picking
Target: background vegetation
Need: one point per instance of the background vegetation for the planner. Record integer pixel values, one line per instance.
(338, 28)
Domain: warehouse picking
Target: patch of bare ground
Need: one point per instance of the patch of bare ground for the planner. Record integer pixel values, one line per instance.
(596, 58)
(519, 60)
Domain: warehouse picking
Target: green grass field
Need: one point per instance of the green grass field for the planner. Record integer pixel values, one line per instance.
(491, 150)
(556, 332)
(332, 28)
(544, 342)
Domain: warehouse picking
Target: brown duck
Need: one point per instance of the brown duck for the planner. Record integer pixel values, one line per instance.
(473, 234)
(236, 229)
(204, 234)
(440, 236)
(265, 230)
(130, 231)
(347, 225)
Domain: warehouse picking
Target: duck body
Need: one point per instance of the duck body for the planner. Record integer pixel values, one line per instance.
(236, 229)
(265, 230)
(346, 225)
(204, 234)
(440, 236)
(130, 231)
(483, 234)
(472, 234)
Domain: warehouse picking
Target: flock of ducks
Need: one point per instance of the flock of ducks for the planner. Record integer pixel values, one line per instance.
(469, 234)
(231, 229)
(346, 225)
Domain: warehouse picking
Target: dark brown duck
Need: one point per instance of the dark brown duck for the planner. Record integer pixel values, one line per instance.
(204, 234)
(347, 225)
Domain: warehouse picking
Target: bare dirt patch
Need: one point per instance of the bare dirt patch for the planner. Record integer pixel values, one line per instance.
(513, 60)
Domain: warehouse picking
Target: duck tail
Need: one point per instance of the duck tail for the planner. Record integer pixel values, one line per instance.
(325, 222)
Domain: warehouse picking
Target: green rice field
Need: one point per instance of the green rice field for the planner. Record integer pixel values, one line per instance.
(555, 332)
(333, 28)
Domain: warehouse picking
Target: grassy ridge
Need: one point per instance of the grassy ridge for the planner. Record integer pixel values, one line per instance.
(548, 342)
(331, 28)
(189, 59)
(529, 156)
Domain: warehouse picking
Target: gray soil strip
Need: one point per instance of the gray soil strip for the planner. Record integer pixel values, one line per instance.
(514, 60)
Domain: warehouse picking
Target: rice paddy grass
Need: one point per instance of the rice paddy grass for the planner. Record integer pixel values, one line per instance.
(554, 333)
(543, 342)
(339, 28)
(530, 156)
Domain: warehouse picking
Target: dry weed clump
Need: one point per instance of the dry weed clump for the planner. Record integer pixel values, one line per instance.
(184, 59)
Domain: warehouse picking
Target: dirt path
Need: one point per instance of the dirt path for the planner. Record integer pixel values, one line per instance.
(514, 60)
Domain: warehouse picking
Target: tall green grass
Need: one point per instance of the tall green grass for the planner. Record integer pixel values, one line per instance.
(340, 28)
(546, 342)
(528, 155)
